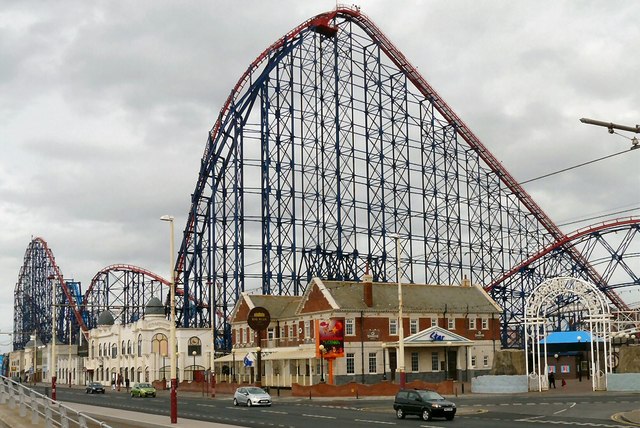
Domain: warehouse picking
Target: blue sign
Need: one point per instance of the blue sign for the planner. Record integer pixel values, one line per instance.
(436, 337)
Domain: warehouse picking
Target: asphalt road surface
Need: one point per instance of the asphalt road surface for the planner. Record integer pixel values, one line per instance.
(491, 411)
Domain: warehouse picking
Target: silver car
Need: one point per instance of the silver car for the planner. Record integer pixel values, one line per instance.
(251, 396)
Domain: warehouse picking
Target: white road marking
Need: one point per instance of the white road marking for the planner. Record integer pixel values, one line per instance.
(275, 411)
(374, 422)
(319, 416)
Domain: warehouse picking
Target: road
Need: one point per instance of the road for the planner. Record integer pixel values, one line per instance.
(490, 411)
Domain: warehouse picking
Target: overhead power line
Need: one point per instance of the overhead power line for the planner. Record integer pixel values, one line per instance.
(576, 166)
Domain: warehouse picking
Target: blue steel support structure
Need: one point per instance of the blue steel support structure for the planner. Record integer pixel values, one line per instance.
(329, 144)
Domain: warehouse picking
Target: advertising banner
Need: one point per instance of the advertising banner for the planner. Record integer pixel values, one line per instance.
(330, 334)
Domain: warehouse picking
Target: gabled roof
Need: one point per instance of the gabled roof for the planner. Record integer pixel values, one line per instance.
(416, 298)
(436, 335)
(279, 307)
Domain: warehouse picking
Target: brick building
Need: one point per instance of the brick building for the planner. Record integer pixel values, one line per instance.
(449, 332)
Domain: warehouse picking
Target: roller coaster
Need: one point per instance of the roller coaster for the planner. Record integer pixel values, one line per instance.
(330, 149)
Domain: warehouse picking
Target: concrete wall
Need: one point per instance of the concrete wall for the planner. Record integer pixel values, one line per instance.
(499, 384)
(623, 382)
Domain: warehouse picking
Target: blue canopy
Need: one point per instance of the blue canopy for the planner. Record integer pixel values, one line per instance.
(567, 337)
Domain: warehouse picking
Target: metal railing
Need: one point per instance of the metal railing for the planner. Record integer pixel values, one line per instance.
(41, 408)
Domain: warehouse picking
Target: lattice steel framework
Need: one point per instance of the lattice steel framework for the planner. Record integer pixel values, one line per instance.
(124, 290)
(613, 250)
(330, 143)
(33, 302)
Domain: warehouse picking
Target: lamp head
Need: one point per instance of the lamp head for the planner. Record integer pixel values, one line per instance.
(556, 356)
(167, 218)
(258, 349)
(193, 353)
(321, 348)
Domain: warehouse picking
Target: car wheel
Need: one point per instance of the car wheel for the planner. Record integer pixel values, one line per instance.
(449, 417)
(400, 413)
(86, 392)
(426, 415)
(248, 403)
(235, 401)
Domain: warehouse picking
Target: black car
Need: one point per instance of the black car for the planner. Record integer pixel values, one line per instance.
(423, 403)
(94, 388)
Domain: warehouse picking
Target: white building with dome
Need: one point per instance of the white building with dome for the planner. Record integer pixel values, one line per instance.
(137, 351)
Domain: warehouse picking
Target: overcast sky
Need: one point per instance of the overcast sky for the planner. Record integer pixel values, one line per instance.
(105, 108)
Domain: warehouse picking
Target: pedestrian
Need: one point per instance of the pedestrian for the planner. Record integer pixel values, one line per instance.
(126, 383)
(113, 383)
(564, 383)
(552, 380)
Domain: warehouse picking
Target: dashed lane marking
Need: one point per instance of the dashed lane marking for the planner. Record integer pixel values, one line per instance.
(374, 422)
(319, 416)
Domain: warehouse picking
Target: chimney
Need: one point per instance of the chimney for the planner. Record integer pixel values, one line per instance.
(367, 285)
(466, 282)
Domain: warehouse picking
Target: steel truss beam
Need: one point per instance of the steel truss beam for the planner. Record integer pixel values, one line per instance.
(329, 144)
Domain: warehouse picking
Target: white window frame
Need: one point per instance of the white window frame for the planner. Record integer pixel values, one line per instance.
(413, 325)
(291, 330)
(373, 362)
(485, 360)
(436, 361)
(434, 321)
(451, 323)
(393, 327)
(472, 323)
(307, 329)
(485, 323)
(473, 361)
(415, 358)
(350, 363)
(349, 327)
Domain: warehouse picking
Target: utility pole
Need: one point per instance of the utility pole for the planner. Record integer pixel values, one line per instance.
(611, 126)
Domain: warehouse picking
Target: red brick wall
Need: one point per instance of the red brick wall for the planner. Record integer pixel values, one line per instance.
(353, 389)
(316, 301)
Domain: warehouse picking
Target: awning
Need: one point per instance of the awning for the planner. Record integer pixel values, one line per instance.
(289, 354)
(270, 354)
(226, 359)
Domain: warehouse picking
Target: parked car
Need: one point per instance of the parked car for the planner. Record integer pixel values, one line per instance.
(423, 403)
(251, 396)
(94, 388)
(143, 390)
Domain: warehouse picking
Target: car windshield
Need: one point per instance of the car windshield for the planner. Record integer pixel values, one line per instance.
(255, 390)
(144, 385)
(95, 384)
(430, 395)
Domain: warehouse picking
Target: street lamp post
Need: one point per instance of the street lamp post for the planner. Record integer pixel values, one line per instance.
(69, 351)
(172, 326)
(403, 375)
(194, 353)
(213, 339)
(321, 348)
(54, 369)
(164, 371)
(233, 366)
(259, 368)
(34, 359)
